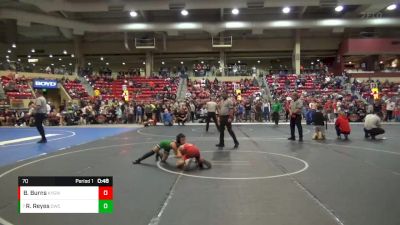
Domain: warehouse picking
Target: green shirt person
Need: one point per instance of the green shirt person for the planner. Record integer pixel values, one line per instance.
(276, 108)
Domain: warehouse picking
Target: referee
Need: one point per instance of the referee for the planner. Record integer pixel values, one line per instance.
(296, 106)
(226, 113)
(40, 114)
(211, 109)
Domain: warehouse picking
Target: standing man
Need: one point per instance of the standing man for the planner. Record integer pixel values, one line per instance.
(295, 110)
(390, 105)
(192, 111)
(211, 110)
(40, 114)
(226, 115)
(266, 110)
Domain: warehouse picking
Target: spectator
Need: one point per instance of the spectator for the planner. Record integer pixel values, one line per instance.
(372, 125)
(181, 117)
(342, 126)
(276, 109)
(20, 118)
(167, 118)
(390, 105)
(192, 111)
(139, 114)
(211, 108)
(318, 119)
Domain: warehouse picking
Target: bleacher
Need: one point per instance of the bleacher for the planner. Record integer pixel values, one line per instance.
(76, 90)
(308, 87)
(143, 89)
(228, 86)
(19, 90)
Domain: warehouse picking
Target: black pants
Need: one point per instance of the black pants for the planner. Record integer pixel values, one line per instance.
(192, 116)
(223, 120)
(373, 132)
(214, 117)
(296, 122)
(275, 117)
(389, 115)
(39, 117)
(339, 132)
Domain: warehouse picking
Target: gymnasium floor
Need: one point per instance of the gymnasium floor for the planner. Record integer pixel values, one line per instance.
(268, 180)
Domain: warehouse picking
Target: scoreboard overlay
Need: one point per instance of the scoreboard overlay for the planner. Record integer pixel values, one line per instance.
(65, 194)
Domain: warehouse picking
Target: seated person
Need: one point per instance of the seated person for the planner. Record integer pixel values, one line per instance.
(372, 125)
(181, 117)
(342, 126)
(167, 118)
(20, 118)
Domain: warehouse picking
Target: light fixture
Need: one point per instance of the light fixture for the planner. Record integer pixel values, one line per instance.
(51, 56)
(7, 56)
(70, 64)
(133, 13)
(29, 56)
(238, 61)
(101, 58)
(33, 64)
(19, 60)
(381, 62)
(286, 10)
(65, 52)
(391, 7)
(13, 45)
(8, 60)
(312, 63)
(350, 62)
(52, 64)
(258, 61)
(9, 50)
(163, 62)
(33, 50)
(184, 12)
(202, 62)
(144, 63)
(339, 8)
(219, 62)
(107, 63)
(59, 59)
(89, 63)
(181, 62)
(317, 60)
(235, 11)
(72, 56)
(123, 63)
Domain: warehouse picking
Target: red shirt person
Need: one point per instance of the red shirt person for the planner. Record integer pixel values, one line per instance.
(342, 126)
(190, 151)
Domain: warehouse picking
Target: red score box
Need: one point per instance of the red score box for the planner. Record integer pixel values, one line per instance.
(105, 193)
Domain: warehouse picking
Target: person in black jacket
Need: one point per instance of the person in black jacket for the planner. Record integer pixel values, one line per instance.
(318, 119)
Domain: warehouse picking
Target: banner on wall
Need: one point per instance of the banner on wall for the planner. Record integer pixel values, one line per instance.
(44, 84)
